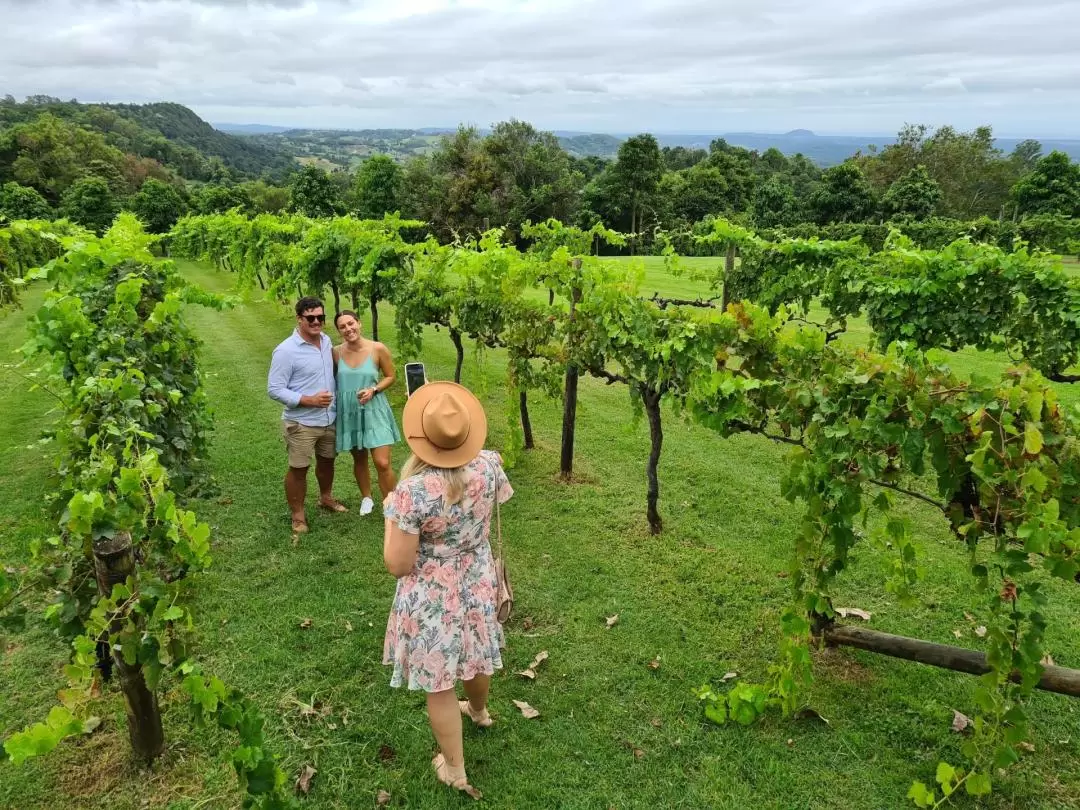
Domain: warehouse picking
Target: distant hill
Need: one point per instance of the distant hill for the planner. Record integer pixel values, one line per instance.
(170, 134)
(346, 148)
(829, 150)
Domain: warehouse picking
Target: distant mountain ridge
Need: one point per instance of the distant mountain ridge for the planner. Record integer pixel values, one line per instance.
(825, 150)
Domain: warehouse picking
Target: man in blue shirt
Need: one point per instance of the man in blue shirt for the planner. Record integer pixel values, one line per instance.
(302, 379)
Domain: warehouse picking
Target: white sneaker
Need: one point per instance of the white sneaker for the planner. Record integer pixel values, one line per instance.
(366, 506)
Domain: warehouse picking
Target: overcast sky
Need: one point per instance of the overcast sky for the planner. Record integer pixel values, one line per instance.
(834, 66)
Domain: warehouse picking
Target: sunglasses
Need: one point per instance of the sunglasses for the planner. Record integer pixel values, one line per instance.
(314, 318)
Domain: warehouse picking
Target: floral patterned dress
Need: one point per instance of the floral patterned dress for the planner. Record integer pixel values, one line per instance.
(442, 626)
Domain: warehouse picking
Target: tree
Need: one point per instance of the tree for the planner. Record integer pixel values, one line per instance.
(1025, 155)
(90, 203)
(681, 157)
(692, 194)
(312, 193)
(843, 195)
(158, 205)
(111, 174)
(636, 174)
(1052, 188)
(531, 176)
(470, 184)
(266, 198)
(914, 195)
(974, 176)
(217, 199)
(774, 204)
(377, 187)
(49, 154)
(22, 202)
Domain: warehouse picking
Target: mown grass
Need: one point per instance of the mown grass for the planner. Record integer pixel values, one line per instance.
(703, 599)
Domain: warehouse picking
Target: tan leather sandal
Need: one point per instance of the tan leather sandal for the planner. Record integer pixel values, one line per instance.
(454, 777)
(482, 719)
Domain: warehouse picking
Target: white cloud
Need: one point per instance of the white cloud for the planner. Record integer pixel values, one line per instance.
(615, 65)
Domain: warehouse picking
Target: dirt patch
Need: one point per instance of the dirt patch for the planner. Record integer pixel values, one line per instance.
(840, 666)
(100, 765)
(97, 764)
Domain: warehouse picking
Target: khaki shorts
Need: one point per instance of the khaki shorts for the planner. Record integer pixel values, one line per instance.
(301, 441)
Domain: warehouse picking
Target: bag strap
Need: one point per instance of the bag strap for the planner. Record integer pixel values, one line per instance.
(498, 517)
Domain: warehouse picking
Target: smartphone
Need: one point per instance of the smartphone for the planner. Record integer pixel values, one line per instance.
(415, 376)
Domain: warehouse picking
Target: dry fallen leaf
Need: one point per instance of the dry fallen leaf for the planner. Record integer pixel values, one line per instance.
(968, 616)
(656, 722)
(382, 799)
(527, 623)
(314, 709)
(980, 631)
(957, 633)
(960, 721)
(655, 663)
(526, 710)
(303, 781)
(1047, 660)
(530, 672)
(810, 713)
(856, 612)
(1026, 746)
(639, 754)
(306, 624)
(729, 676)
(612, 621)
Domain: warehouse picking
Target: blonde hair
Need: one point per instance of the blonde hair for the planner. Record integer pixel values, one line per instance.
(455, 478)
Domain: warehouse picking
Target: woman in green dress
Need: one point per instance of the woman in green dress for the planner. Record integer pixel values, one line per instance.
(365, 421)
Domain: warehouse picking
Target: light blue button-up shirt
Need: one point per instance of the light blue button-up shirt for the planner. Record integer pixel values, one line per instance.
(300, 369)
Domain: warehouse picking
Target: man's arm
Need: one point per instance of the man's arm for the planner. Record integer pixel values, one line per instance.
(277, 384)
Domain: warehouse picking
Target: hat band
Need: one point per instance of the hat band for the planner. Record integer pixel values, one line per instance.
(440, 447)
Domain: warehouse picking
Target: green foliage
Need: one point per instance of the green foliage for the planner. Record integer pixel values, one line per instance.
(973, 175)
(25, 245)
(377, 188)
(1053, 187)
(217, 199)
(49, 155)
(470, 183)
(914, 195)
(843, 195)
(861, 420)
(158, 205)
(774, 204)
(90, 202)
(132, 438)
(312, 193)
(22, 202)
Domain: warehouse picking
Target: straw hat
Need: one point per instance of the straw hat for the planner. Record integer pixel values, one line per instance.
(444, 424)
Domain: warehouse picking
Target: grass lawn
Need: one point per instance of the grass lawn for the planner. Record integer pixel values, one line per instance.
(703, 599)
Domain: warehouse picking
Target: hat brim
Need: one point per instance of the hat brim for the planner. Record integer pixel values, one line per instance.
(412, 423)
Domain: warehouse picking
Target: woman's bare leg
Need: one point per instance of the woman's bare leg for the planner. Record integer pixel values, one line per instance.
(387, 479)
(445, 718)
(361, 472)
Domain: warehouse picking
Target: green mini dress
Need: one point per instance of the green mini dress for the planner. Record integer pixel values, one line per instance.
(363, 426)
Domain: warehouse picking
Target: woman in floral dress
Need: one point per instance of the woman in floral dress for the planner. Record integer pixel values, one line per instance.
(443, 626)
